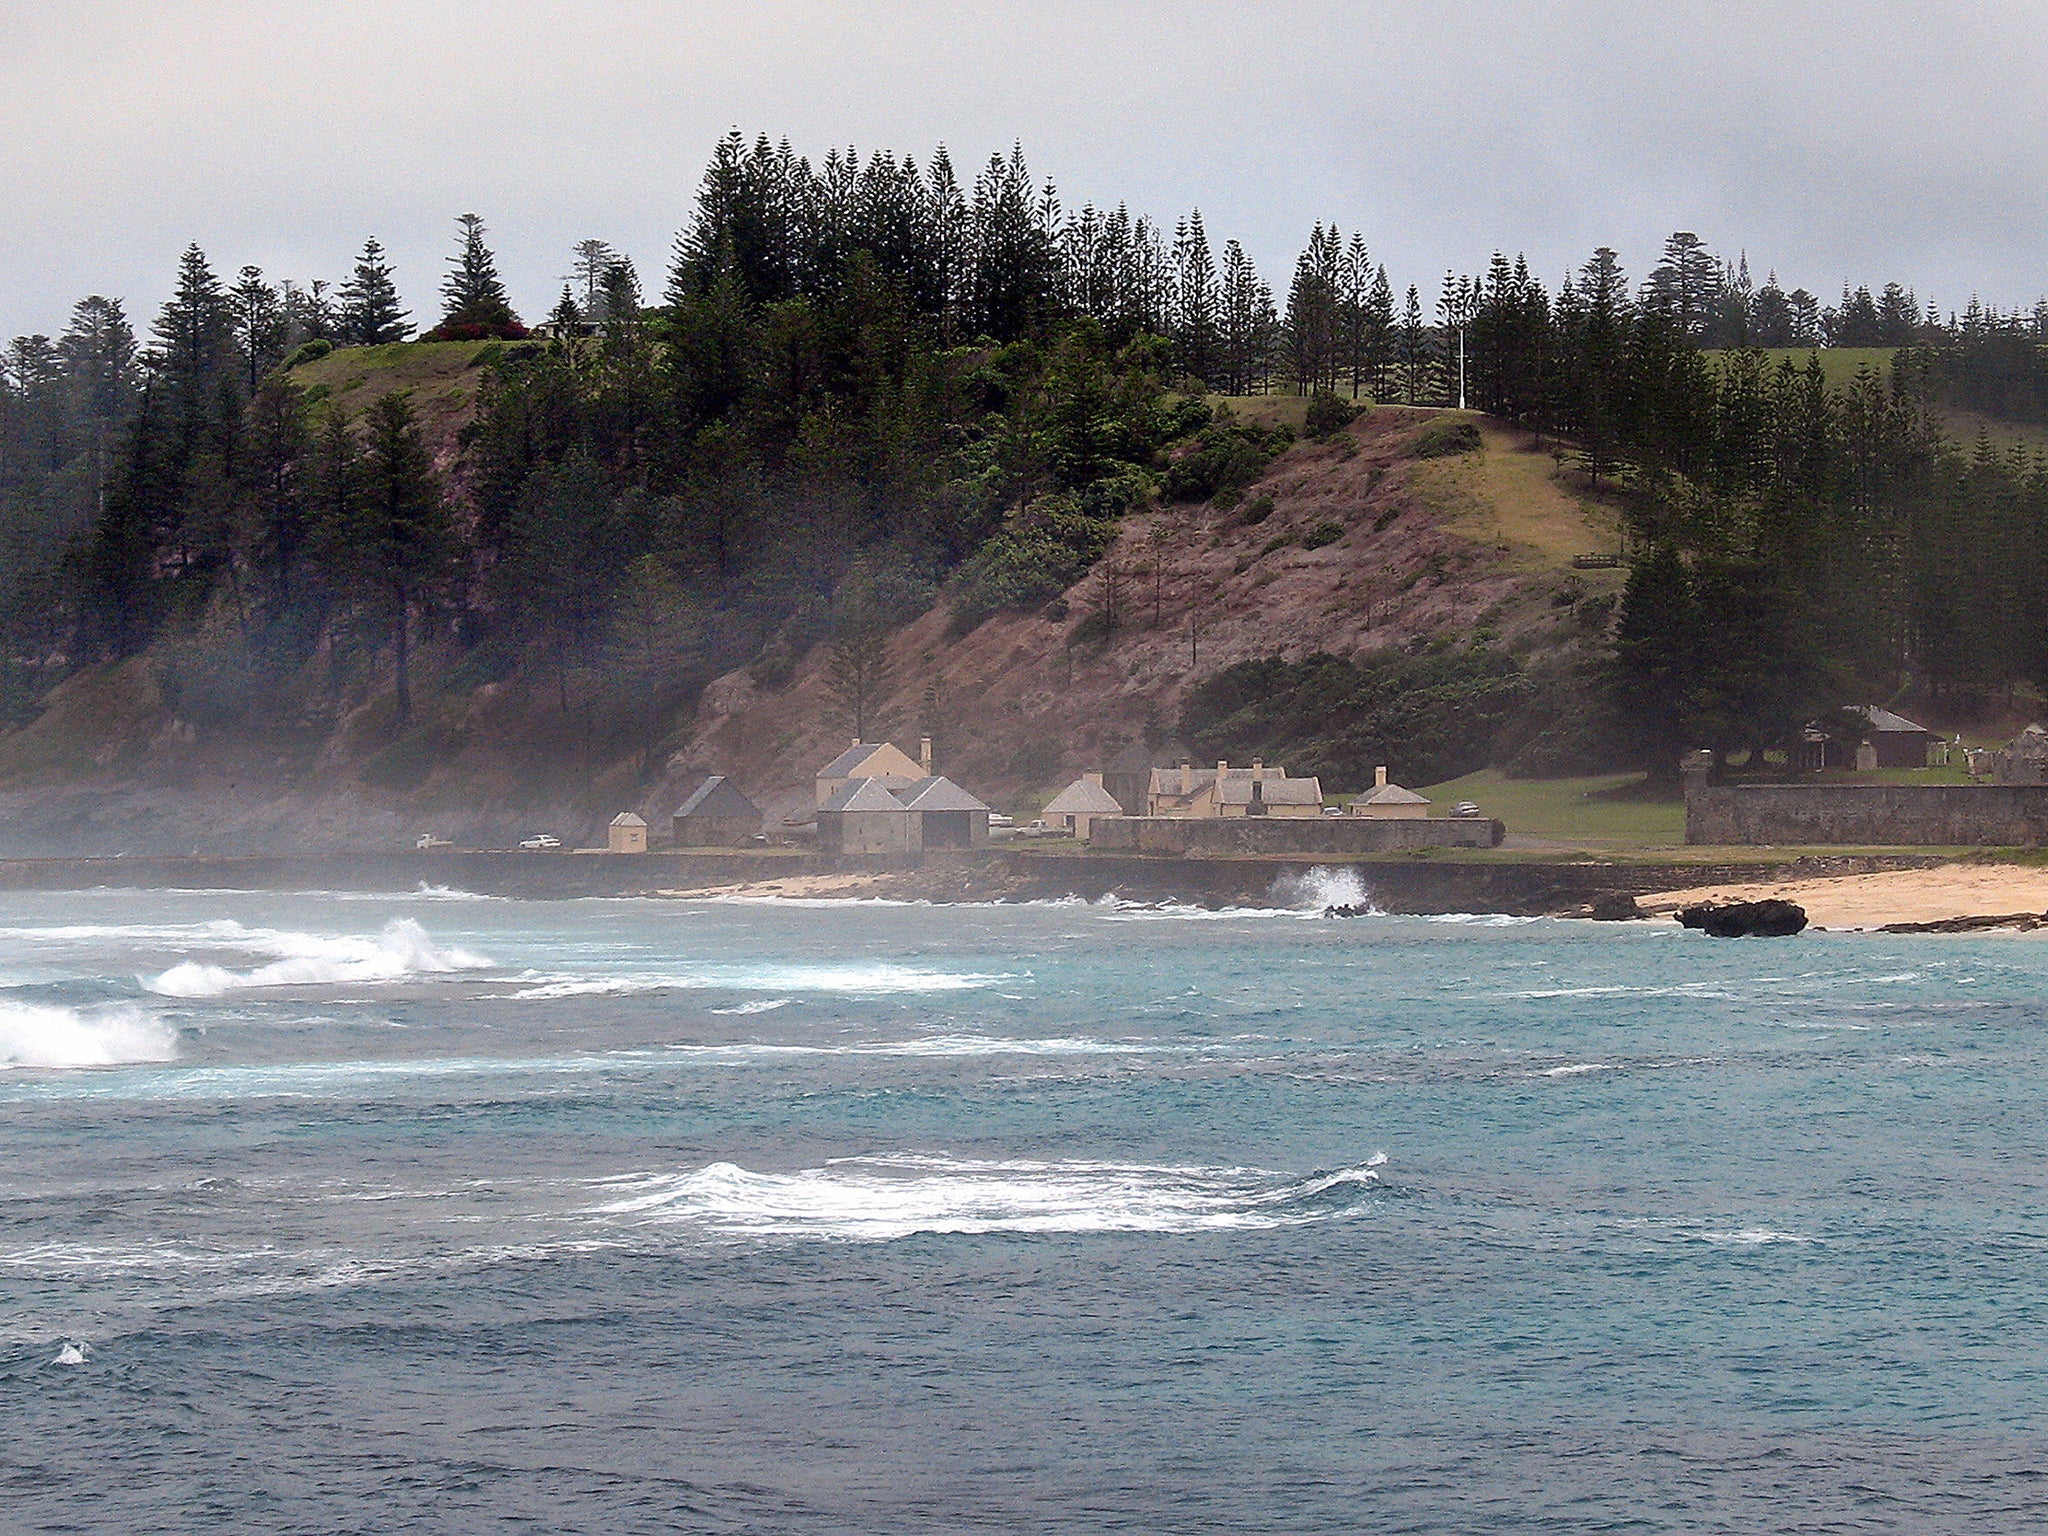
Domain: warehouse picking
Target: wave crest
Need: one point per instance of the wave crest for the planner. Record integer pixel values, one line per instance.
(875, 1199)
(400, 952)
(39, 1035)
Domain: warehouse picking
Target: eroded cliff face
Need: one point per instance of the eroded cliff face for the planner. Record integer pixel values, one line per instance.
(1364, 546)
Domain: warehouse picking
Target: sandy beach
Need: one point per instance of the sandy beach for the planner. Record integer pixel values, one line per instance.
(1942, 894)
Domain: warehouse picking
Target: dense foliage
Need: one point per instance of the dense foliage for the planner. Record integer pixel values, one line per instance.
(867, 384)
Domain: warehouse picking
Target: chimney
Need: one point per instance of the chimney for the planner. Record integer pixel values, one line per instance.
(1379, 778)
(856, 741)
(1258, 769)
(1222, 768)
(1092, 778)
(1187, 778)
(924, 754)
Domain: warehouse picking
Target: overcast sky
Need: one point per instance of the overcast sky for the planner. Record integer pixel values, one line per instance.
(1831, 141)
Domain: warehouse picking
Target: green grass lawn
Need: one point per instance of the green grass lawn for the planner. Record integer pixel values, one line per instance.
(1582, 812)
(1839, 365)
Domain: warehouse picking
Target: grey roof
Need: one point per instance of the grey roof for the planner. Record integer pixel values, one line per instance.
(861, 795)
(1885, 720)
(1081, 798)
(940, 793)
(627, 819)
(718, 796)
(1272, 791)
(1392, 794)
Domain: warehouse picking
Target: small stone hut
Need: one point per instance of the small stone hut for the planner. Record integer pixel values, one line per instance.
(1073, 808)
(628, 834)
(1897, 741)
(1387, 801)
(717, 815)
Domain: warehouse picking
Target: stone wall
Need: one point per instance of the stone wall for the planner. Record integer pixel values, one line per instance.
(1314, 837)
(1868, 815)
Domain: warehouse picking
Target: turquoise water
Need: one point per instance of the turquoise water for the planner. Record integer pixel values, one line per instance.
(330, 1213)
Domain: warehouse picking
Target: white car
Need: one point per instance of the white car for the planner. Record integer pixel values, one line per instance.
(427, 840)
(1465, 810)
(540, 843)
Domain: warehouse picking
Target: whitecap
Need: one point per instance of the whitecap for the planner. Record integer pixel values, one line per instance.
(402, 951)
(1580, 1069)
(758, 1005)
(1752, 1237)
(1317, 889)
(875, 1199)
(872, 979)
(43, 1035)
(74, 1352)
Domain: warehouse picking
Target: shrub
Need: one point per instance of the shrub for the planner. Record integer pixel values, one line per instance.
(1385, 520)
(1280, 541)
(1257, 510)
(309, 352)
(1327, 532)
(1222, 457)
(1327, 415)
(1445, 439)
(1041, 550)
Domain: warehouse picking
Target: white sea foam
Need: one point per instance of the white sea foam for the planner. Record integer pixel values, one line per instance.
(1580, 1069)
(757, 1005)
(874, 1199)
(74, 1352)
(43, 1035)
(1751, 1237)
(1322, 887)
(402, 951)
(872, 979)
(422, 892)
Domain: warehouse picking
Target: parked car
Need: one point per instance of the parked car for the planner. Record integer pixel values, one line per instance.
(1466, 810)
(998, 819)
(540, 842)
(427, 840)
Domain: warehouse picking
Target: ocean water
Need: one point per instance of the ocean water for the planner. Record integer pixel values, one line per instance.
(329, 1213)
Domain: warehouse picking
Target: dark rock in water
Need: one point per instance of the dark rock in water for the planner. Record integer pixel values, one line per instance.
(2024, 922)
(1350, 909)
(1615, 907)
(1771, 919)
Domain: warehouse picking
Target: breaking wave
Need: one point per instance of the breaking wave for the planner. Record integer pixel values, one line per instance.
(875, 1199)
(870, 980)
(39, 1035)
(1318, 889)
(400, 952)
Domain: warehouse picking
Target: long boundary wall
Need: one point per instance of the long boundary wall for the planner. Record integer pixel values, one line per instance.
(1868, 815)
(1296, 836)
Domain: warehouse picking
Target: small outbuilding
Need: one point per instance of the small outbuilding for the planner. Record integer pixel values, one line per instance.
(628, 834)
(1389, 802)
(863, 817)
(947, 815)
(1896, 741)
(1073, 808)
(717, 815)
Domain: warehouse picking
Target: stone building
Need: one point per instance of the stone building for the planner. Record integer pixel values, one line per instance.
(1224, 791)
(717, 815)
(1389, 802)
(1895, 741)
(881, 760)
(946, 815)
(1073, 808)
(628, 834)
(864, 818)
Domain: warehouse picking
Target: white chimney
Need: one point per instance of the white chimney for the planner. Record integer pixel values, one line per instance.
(1258, 769)
(1379, 778)
(924, 754)
(1092, 778)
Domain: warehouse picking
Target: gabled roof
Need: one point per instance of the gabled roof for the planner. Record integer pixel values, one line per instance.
(627, 819)
(851, 763)
(940, 793)
(861, 795)
(1236, 791)
(1885, 720)
(1083, 798)
(718, 796)
(1392, 794)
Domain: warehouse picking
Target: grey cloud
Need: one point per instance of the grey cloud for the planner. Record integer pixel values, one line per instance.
(1832, 141)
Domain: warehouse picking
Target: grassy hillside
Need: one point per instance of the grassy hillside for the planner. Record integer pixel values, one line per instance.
(1839, 365)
